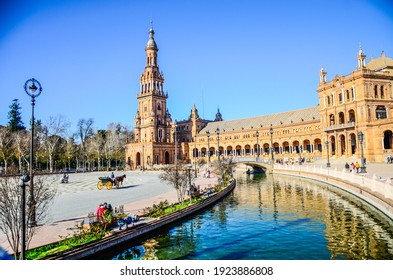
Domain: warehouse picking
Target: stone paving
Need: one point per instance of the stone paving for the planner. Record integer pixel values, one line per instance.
(80, 196)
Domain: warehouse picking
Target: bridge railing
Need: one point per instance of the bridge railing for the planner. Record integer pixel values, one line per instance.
(384, 188)
(251, 159)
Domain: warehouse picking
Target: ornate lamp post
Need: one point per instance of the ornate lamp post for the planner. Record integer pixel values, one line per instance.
(271, 143)
(189, 167)
(327, 152)
(362, 166)
(195, 156)
(175, 144)
(208, 146)
(143, 157)
(33, 91)
(218, 143)
(257, 135)
(22, 184)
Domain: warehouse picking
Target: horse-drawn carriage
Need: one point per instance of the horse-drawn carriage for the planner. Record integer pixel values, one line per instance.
(109, 183)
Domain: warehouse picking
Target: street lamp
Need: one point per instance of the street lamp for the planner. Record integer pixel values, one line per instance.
(195, 156)
(218, 143)
(189, 167)
(257, 135)
(33, 91)
(327, 152)
(175, 143)
(22, 184)
(362, 167)
(271, 143)
(143, 157)
(208, 146)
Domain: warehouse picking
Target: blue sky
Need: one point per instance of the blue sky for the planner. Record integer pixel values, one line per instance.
(248, 58)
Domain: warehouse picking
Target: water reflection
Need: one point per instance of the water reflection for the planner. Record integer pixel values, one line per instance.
(276, 217)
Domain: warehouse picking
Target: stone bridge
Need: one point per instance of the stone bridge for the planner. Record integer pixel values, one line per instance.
(255, 163)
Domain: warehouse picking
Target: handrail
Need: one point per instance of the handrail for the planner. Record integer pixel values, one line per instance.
(379, 193)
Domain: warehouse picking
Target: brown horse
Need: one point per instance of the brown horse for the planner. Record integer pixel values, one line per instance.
(119, 180)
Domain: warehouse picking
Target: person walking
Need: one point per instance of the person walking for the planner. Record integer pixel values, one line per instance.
(357, 165)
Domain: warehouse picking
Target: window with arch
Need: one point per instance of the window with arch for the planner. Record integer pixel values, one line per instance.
(331, 119)
(353, 94)
(388, 139)
(351, 114)
(341, 118)
(340, 98)
(328, 100)
(380, 112)
(348, 96)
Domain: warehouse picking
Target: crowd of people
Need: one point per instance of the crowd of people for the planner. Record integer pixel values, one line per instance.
(353, 167)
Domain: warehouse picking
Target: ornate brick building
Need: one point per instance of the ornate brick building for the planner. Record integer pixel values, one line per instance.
(349, 105)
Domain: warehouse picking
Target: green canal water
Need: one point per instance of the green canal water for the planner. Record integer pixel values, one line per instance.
(274, 218)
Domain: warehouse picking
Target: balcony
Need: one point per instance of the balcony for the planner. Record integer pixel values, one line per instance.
(340, 126)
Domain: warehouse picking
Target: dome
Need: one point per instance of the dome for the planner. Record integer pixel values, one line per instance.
(151, 43)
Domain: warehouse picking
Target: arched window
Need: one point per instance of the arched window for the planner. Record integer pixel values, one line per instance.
(341, 118)
(351, 116)
(387, 139)
(380, 112)
(353, 143)
(340, 98)
(348, 97)
(328, 100)
(331, 118)
(353, 94)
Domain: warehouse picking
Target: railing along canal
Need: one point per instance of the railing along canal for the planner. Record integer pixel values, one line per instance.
(381, 192)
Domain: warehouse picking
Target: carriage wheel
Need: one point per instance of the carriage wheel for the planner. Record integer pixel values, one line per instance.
(109, 185)
(100, 185)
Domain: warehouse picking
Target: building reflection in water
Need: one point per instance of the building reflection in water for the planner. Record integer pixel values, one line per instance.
(277, 217)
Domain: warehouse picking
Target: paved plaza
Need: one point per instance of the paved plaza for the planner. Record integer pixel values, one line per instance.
(80, 196)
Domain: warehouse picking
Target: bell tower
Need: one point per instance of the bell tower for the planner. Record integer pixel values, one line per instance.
(152, 120)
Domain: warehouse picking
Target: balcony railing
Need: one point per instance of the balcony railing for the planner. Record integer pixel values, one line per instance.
(340, 126)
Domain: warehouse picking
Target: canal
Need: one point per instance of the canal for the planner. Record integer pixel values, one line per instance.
(274, 218)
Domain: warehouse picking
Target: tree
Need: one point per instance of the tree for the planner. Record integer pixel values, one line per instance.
(15, 122)
(176, 176)
(10, 205)
(97, 144)
(22, 147)
(53, 130)
(224, 168)
(70, 150)
(85, 131)
(6, 151)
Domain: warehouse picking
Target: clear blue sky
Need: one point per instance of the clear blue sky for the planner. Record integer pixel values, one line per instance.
(248, 58)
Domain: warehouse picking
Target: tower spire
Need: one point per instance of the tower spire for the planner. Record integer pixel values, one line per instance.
(361, 58)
